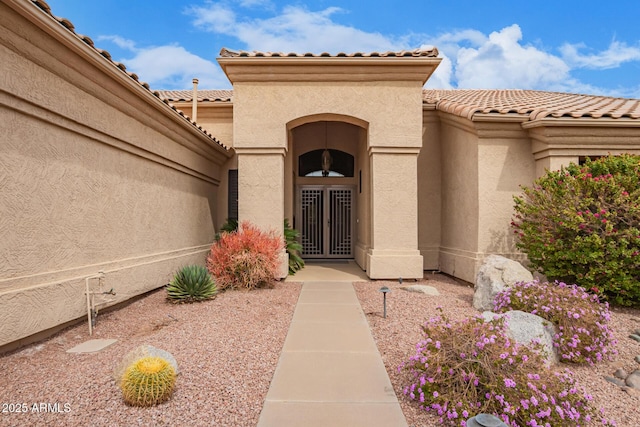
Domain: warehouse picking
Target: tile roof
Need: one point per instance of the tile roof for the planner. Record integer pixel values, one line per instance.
(204, 95)
(228, 53)
(531, 104)
(42, 5)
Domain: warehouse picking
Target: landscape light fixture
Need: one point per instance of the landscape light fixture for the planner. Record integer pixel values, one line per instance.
(326, 155)
(485, 420)
(384, 291)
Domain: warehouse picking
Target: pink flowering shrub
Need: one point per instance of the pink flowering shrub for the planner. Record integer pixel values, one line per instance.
(583, 334)
(245, 258)
(581, 225)
(465, 368)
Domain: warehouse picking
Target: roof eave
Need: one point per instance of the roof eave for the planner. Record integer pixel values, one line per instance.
(73, 41)
(583, 122)
(500, 117)
(308, 69)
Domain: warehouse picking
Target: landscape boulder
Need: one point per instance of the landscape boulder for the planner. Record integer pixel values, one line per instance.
(421, 289)
(525, 328)
(496, 273)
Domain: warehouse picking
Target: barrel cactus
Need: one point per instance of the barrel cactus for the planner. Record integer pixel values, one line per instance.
(191, 283)
(148, 381)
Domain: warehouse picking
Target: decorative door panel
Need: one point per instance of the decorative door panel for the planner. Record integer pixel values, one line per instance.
(326, 221)
(340, 242)
(311, 222)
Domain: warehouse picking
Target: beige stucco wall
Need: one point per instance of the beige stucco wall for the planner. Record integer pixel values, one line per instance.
(363, 203)
(264, 111)
(505, 163)
(460, 204)
(429, 191)
(216, 117)
(96, 174)
(483, 165)
(556, 143)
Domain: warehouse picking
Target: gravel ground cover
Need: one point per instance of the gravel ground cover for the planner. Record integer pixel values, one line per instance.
(397, 335)
(227, 350)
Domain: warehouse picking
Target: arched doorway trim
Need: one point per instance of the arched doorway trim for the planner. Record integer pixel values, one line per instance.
(329, 117)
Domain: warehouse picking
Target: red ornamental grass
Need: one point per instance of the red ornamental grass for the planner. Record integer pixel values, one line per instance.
(247, 258)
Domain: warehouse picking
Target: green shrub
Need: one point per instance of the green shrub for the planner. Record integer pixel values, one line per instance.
(248, 258)
(583, 334)
(148, 381)
(582, 225)
(191, 283)
(461, 369)
(294, 248)
(229, 226)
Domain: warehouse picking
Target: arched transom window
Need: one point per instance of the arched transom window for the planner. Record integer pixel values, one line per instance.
(318, 163)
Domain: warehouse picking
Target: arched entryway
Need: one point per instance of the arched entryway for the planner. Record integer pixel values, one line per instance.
(327, 160)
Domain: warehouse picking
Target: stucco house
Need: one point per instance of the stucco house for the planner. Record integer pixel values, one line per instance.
(107, 184)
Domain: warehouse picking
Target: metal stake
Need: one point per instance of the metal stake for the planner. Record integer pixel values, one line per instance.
(384, 291)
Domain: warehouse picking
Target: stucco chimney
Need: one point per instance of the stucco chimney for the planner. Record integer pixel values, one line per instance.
(194, 112)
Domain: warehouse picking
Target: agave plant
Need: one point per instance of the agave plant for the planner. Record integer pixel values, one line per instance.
(191, 283)
(294, 248)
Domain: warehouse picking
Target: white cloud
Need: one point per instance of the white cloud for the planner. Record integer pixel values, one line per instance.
(470, 58)
(254, 3)
(215, 17)
(296, 29)
(169, 66)
(441, 78)
(617, 54)
(121, 42)
(173, 67)
(501, 62)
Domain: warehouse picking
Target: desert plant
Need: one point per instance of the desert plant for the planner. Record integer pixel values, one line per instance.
(248, 258)
(229, 226)
(148, 381)
(581, 225)
(294, 248)
(581, 320)
(461, 369)
(191, 283)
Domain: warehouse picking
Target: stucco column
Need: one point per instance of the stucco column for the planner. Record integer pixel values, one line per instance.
(394, 214)
(261, 191)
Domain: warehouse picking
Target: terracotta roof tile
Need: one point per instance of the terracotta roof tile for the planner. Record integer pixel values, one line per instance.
(228, 53)
(42, 5)
(204, 95)
(531, 104)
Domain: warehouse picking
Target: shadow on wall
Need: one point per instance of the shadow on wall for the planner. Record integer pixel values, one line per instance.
(504, 243)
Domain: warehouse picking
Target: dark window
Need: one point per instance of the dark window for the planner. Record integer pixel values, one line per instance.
(232, 205)
(310, 164)
(583, 159)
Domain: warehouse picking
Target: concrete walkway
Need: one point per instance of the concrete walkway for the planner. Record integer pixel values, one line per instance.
(330, 372)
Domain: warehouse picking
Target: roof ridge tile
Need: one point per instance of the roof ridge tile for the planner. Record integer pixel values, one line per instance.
(531, 104)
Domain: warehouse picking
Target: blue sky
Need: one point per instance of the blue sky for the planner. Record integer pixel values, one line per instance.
(574, 46)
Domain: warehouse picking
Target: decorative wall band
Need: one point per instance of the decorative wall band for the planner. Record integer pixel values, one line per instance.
(52, 118)
(22, 283)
